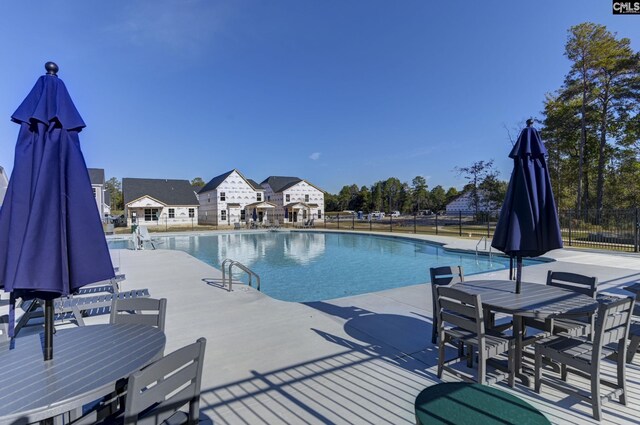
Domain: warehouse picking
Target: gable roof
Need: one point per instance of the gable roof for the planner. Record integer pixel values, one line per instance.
(217, 181)
(96, 175)
(169, 192)
(280, 183)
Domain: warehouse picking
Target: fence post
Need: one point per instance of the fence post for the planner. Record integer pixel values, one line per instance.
(436, 223)
(353, 222)
(460, 222)
(635, 232)
(488, 224)
(570, 220)
(415, 219)
(191, 223)
(390, 223)
(370, 223)
(338, 220)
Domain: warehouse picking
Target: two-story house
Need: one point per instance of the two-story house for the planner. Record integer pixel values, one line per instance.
(96, 175)
(296, 199)
(159, 202)
(232, 198)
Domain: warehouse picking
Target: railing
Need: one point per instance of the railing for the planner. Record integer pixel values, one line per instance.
(606, 229)
(242, 267)
(485, 239)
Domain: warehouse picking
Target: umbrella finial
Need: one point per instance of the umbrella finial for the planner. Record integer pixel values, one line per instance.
(52, 68)
(529, 122)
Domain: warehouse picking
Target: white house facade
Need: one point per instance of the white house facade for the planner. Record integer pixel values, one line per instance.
(159, 202)
(232, 198)
(296, 199)
(463, 204)
(96, 175)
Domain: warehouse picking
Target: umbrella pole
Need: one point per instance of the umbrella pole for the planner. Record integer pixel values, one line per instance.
(48, 329)
(518, 274)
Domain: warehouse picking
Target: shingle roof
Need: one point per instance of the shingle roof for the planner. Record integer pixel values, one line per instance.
(169, 192)
(215, 182)
(255, 184)
(280, 183)
(96, 175)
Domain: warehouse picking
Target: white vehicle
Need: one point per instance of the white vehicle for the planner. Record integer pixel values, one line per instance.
(377, 215)
(395, 213)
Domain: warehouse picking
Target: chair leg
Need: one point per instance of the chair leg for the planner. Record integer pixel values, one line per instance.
(434, 331)
(482, 367)
(511, 362)
(622, 382)
(596, 402)
(440, 358)
(538, 370)
(563, 372)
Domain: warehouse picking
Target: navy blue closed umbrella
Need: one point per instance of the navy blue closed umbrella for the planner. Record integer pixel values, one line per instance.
(51, 235)
(528, 224)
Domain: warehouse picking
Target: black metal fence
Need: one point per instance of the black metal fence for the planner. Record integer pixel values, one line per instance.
(607, 229)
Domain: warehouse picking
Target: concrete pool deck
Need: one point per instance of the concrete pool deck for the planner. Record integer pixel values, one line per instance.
(359, 359)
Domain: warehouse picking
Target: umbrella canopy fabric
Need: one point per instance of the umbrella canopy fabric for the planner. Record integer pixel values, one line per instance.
(528, 224)
(51, 235)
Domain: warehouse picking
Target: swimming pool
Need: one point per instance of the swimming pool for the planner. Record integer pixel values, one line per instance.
(315, 266)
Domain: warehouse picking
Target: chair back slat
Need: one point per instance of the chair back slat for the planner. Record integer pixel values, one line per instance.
(163, 387)
(586, 285)
(459, 321)
(446, 275)
(144, 311)
(467, 314)
(612, 324)
(458, 308)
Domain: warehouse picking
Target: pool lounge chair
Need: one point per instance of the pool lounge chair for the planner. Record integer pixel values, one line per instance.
(145, 237)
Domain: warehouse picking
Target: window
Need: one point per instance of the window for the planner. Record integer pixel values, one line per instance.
(150, 214)
(208, 197)
(287, 198)
(304, 214)
(223, 196)
(243, 215)
(172, 213)
(258, 197)
(319, 213)
(192, 212)
(306, 198)
(268, 197)
(223, 215)
(95, 192)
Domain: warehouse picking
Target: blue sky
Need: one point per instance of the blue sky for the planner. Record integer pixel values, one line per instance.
(336, 92)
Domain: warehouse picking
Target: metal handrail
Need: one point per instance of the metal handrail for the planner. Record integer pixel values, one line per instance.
(485, 239)
(242, 267)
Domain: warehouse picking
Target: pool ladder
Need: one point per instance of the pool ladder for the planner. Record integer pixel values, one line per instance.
(242, 267)
(485, 239)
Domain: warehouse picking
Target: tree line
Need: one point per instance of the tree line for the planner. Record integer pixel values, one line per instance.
(591, 124)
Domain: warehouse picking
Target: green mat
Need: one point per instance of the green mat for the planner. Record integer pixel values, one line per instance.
(473, 404)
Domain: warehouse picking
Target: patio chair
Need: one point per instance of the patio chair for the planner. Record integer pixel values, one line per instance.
(461, 323)
(4, 329)
(446, 275)
(575, 326)
(236, 226)
(309, 223)
(155, 394)
(583, 357)
(144, 311)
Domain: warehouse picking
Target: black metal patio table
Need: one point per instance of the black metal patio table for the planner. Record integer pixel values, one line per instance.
(86, 364)
(535, 300)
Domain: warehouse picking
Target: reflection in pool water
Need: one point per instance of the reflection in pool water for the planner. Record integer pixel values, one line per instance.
(314, 266)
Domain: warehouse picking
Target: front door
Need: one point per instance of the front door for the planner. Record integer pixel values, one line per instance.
(295, 216)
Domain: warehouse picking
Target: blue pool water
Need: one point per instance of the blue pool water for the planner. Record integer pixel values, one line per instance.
(315, 266)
